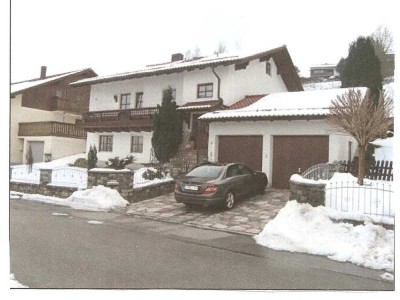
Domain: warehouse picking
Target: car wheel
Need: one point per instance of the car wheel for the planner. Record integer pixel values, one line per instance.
(229, 200)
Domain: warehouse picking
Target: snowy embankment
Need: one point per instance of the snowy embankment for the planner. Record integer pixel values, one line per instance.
(303, 228)
(99, 198)
(140, 181)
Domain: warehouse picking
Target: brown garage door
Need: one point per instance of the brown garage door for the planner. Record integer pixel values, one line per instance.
(241, 149)
(294, 153)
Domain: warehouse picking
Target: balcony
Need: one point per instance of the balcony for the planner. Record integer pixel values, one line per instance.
(138, 119)
(51, 129)
(73, 106)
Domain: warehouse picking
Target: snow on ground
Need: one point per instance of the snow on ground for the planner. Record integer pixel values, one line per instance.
(14, 284)
(98, 198)
(139, 181)
(373, 201)
(64, 161)
(324, 85)
(95, 222)
(387, 276)
(303, 228)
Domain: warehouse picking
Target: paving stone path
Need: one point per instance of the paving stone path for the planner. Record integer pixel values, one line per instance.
(248, 217)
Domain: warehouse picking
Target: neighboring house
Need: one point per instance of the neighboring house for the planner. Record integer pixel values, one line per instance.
(280, 134)
(324, 71)
(122, 106)
(43, 116)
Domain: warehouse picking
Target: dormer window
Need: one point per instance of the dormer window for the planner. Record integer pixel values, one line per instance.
(268, 68)
(205, 90)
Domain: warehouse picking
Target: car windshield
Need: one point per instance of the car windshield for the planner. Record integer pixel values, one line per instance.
(206, 171)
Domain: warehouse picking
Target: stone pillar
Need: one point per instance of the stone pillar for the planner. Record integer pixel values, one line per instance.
(45, 176)
(312, 193)
(121, 180)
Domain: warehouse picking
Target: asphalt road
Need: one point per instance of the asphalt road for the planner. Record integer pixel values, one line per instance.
(55, 247)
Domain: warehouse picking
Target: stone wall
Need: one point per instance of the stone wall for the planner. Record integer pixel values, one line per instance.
(121, 180)
(312, 193)
(42, 189)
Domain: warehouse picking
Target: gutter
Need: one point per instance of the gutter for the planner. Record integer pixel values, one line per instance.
(219, 84)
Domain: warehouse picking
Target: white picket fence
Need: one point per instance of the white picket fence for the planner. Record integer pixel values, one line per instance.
(21, 174)
(70, 177)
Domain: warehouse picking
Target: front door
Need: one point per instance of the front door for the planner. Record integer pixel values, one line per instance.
(37, 151)
(200, 132)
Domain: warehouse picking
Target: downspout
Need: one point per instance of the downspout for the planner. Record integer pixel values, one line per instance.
(219, 85)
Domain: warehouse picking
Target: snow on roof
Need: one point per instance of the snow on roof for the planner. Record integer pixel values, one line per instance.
(323, 66)
(154, 69)
(306, 103)
(23, 85)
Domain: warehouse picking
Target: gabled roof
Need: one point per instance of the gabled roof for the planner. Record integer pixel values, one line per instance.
(19, 87)
(246, 101)
(280, 55)
(308, 104)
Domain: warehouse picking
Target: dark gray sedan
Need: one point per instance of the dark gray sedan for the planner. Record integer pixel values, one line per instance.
(219, 184)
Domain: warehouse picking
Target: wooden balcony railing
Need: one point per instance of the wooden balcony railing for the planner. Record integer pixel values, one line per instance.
(124, 119)
(51, 129)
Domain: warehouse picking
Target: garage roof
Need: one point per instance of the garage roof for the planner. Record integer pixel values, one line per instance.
(285, 105)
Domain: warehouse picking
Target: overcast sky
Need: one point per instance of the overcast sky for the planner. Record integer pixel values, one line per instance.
(120, 35)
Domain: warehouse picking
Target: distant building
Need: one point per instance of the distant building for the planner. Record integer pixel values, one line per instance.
(324, 71)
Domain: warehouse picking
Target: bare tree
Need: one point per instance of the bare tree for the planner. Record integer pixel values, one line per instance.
(366, 121)
(221, 48)
(383, 37)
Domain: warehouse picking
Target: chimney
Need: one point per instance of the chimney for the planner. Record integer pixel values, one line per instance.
(43, 70)
(176, 57)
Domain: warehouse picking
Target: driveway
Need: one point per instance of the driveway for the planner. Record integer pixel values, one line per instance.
(248, 217)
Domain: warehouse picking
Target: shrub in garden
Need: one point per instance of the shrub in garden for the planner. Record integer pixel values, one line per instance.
(118, 164)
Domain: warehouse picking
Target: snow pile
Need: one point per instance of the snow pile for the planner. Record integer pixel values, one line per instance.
(300, 179)
(139, 181)
(96, 198)
(373, 201)
(14, 284)
(303, 228)
(60, 162)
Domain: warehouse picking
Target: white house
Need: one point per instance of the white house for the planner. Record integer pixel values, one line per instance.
(120, 117)
(280, 134)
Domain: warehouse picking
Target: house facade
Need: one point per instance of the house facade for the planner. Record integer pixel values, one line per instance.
(43, 116)
(122, 106)
(281, 134)
(324, 71)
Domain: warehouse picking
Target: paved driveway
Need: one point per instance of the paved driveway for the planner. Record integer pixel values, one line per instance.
(248, 217)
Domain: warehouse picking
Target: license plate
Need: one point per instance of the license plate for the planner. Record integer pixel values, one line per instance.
(191, 187)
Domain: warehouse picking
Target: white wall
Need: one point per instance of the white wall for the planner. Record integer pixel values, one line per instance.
(58, 147)
(338, 146)
(121, 145)
(102, 95)
(234, 86)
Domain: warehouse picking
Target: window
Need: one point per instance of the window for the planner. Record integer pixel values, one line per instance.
(137, 144)
(173, 94)
(125, 101)
(205, 90)
(233, 171)
(139, 100)
(268, 68)
(106, 143)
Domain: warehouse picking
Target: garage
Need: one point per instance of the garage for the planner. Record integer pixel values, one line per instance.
(294, 154)
(243, 149)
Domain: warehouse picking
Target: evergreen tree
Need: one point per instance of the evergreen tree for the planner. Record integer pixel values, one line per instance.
(92, 157)
(167, 132)
(29, 158)
(362, 67)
